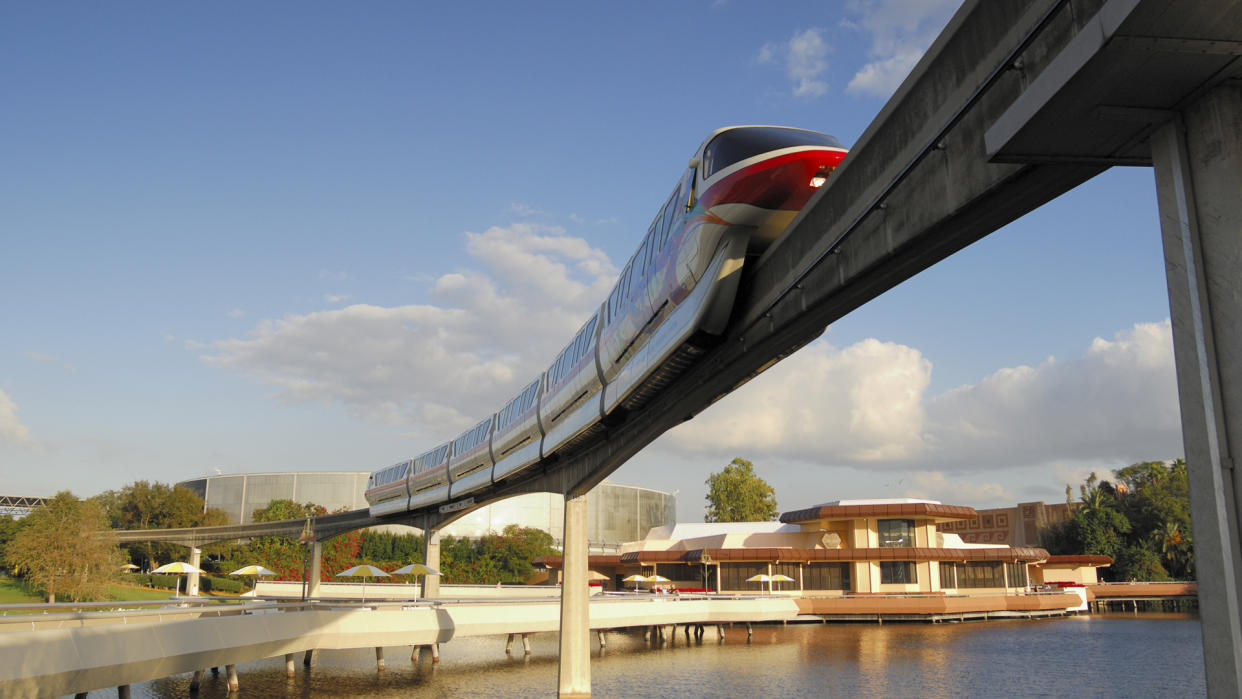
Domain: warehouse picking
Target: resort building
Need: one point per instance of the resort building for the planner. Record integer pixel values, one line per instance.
(1020, 525)
(844, 557)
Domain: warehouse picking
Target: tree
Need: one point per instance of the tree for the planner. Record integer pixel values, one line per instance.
(154, 505)
(736, 494)
(1142, 522)
(66, 546)
(9, 526)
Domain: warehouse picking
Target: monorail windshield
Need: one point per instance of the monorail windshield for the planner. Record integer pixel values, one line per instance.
(736, 145)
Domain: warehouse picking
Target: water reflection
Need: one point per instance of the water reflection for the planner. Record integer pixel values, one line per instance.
(1099, 655)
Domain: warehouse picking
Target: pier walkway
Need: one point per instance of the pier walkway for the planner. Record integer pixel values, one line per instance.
(54, 654)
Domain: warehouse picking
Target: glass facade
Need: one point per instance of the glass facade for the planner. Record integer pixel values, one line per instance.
(896, 533)
(616, 513)
(897, 573)
(826, 576)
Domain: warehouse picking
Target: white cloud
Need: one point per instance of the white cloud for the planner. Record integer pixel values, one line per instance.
(236, 313)
(805, 58)
(437, 366)
(934, 485)
(335, 298)
(12, 431)
(899, 31)
(1119, 401)
(861, 404)
(865, 406)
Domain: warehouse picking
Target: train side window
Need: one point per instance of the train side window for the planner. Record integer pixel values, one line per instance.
(670, 214)
(657, 232)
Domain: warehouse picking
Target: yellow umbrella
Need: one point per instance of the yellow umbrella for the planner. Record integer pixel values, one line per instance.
(364, 571)
(761, 578)
(635, 578)
(416, 569)
(178, 568)
(255, 570)
(781, 577)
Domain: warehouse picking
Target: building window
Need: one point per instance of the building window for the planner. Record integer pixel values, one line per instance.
(1016, 573)
(733, 576)
(897, 573)
(826, 576)
(948, 575)
(896, 533)
(980, 574)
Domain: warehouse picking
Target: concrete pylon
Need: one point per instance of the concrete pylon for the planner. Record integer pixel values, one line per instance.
(313, 574)
(191, 580)
(1198, 164)
(575, 651)
(431, 559)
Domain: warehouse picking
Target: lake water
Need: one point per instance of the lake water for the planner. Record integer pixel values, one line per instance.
(1100, 655)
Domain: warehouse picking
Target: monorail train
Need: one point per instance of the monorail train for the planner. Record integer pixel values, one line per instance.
(743, 186)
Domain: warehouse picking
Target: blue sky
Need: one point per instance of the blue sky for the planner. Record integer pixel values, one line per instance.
(317, 236)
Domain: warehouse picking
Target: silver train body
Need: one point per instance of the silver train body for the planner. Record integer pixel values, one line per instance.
(742, 188)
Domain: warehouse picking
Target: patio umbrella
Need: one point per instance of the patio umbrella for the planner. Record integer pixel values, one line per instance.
(363, 571)
(761, 578)
(257, 571)
(781, 577)
(178, 568)
(129, 566)
(416, 569)
(635, 578)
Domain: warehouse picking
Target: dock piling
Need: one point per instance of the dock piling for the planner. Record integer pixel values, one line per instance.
(234, 684)
(288, 665)
(196, 681)
(379, 658)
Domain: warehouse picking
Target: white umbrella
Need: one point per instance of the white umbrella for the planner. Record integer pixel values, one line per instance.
(364, 571)
(178, 568)
(658, 578)
(781, 577)
(256, 570)
(761, 578)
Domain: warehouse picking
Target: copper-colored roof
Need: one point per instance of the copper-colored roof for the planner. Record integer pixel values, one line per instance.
(1081, 560)
(902, 509)
(792, 555)
(554, 561)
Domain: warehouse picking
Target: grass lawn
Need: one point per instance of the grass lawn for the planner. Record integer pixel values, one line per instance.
(13, 592)
(129, 594)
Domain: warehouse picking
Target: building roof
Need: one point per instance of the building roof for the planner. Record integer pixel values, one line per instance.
(694, 530)
(994, 553)
(902, 507)
(1095, 561)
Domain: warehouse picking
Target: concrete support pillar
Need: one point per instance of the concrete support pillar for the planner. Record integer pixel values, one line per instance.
(431, 558)
(234, 684)
(308, 658)
(525, 644)
(123, 691)
(379, 658)
(575, 651)
(509, 645)
(602, 642)
(312, 575)
(435, 653)
(196, 681)
(1198, 164)
(289, 666)
(191, 580)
